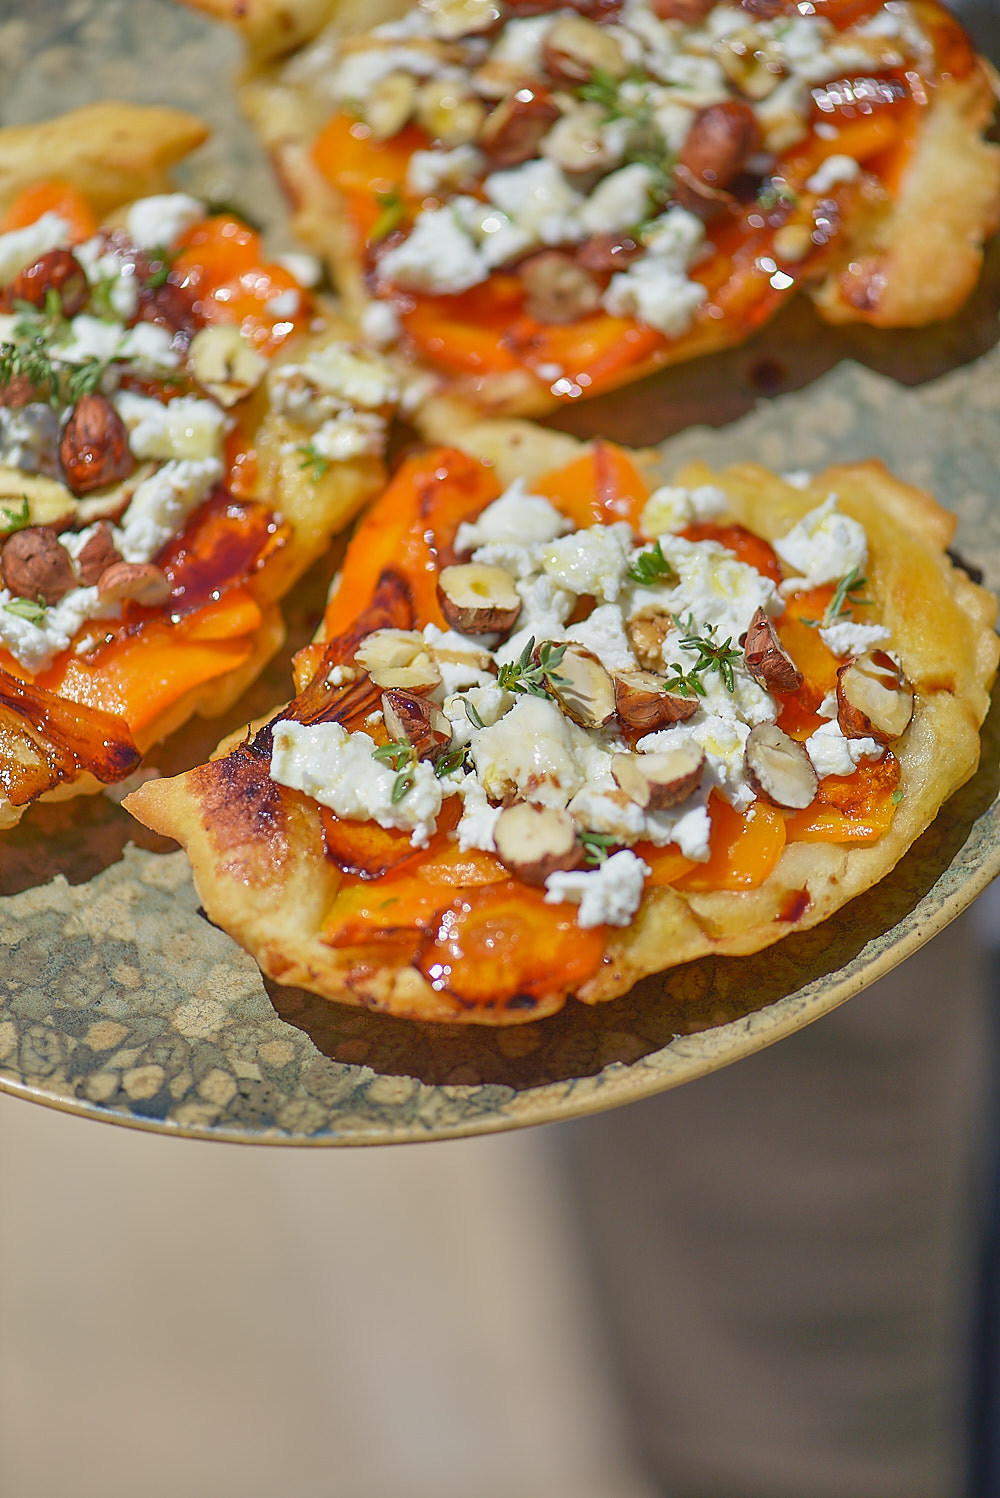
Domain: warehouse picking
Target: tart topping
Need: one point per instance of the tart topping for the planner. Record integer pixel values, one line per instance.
(478, 600)
(398, 658)
(139, 581)
(96, 555)
(414, 720)
(767, 660)
(94, 450)
(34, 565)
(536, 841)
(56, 271)
(874, 699)
(663, 778)
(644, 706)
(582, 687)
(778, 768)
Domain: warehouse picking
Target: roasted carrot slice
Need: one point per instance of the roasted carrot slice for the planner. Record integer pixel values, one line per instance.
(55, 196)
(601, 486)
(744, 848)
(854, 808)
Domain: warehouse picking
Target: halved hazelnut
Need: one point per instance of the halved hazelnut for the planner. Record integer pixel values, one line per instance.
(778, 768)
(663, 779)
(536, 841)
(718, 143)
(398, 659)
(767, 660)
(224, 363)
(58, 271)
(33, 564)
(609, 252)
(94, 450)
(579, 141)
(478, 600)
(646, 634)
(874, 698)
(575, 49)
(559, 290)
(417, 721)
(389, 104)
(96, 555)
(513, 132)
(644, 706)
(141, 582)
(583, 688)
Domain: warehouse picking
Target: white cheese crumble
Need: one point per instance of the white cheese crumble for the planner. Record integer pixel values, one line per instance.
(338, 769)
(657, 289)
(847, 638)
(530, 750)
(539, 200)
(350, 434)
(833, 170)
(833, 754)
(35, 644)
(380, 324)
(712, 586)
(182, 428)
(604, 633)
(428, 171)
(590, 561)
(517, 518)
(438, 256)
(162, 503)
(823, 546)
(158, 222)
(671, 508)
(609, 895)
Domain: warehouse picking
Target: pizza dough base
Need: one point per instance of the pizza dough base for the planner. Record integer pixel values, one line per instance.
(256, 848)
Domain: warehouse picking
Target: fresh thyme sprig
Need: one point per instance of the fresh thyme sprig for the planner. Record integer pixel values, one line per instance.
(32, 355)
(472, 713)
(650, 567)
(595, 847)
(161, 262)
(316, 461)
(846, 595)
(399, 756)
(15, 520)
(32, 609)
(525, 675)
(684, 683)
(450, 762)
(711, 655)
(605, 90)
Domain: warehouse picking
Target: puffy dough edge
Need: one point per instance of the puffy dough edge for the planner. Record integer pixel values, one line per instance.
(271, 844)
(920, 261)
(112, 152)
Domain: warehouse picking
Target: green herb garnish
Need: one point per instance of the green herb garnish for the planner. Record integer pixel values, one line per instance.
(449, 763)
(595, 846)
(31, 609)
(897, 796)
(650, 567)
(399, 752)
(15, 520)
(392, 211)
(711, 655)
(526, 675)
(846, 595)
(472, 713)
(684, 683)
(314, 460)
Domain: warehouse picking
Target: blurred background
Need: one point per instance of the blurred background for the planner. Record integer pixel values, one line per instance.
(769, 1284)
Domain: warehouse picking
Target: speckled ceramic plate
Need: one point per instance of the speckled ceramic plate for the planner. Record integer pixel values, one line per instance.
(119, 1001)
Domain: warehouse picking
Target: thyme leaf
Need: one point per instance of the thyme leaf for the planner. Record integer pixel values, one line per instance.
(395, 754)
(31, 609)
(314, 460)
(527, 675)
(472, 713)
(595, 847)
(15, 520)
(711, 655)
(650, 567)
(449, 763)
(846, 595)
(392, 211)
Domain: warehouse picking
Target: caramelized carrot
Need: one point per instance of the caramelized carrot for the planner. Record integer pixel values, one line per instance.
(361, 167)
(221, 261)
(743, 848)
(854, 808)
(751, 549)
(600, 486)
(54, 196)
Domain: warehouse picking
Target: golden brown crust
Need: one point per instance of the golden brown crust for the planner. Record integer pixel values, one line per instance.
(111, 152)
(263, 877)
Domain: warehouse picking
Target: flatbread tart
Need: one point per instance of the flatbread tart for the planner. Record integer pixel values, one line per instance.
(183, 427)
(539, 202)
(566, 725)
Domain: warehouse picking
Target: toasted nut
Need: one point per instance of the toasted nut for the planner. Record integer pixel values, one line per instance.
(583, 688)
(514, 131)
(58, 271)
(688, 12)
(767, 10)
(496, 79)
(96, 556)
(644, 707)
(663, 779)
(874, 698)
(536, 841)
(34, 565)
(224, 363)
(767, 660)
(646, 634)
(413, 719)
(718, 143)
(94, 450)
(608, 252)
(558, 289)
(169, 306)
(449, 115)
(390, 103)
(747, 65)
(478, 600)
(578, 141)
(575, 49)
(778, 768)
(398, 658)
(139, 581)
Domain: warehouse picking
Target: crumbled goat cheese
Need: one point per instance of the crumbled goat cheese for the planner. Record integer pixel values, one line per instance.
(671, 508)
(437, 256)
(35, 645)
(380, 324)
(604, 633)
(147, 349)
(833, 170)
(688, 825)
(91, 338)
(539, 200)
(478, 820)
(162, 503)
(590, 561)
(544, 605)
(21, 247)
(520, 42)
(620, 201)
(339, 770)
(359, 72)
(833, 754)
(350, 434)
(349, 376)
(158, 222)
(824, 545)
(430, 170)
(517, 517)
(604, 809)
(530, 751)
(286, 304)
(711, 585)
(657, 289)
(853, 639)
(609, 895)
(183, 428)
